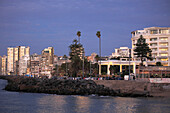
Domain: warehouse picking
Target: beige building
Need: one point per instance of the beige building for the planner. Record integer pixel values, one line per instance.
(23, 64)
(14, 54)
(48, 53)
(34, 65)
(22, 51)
(121, 52)
(158, 39)
(0, 65)
(4, 65)
(10, 61)
(92, 58)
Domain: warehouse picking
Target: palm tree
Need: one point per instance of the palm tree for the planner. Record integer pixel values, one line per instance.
(79, 34)
(99, 35)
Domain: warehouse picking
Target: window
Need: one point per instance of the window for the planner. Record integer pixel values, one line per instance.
(164, 49)
(163, 31)
(153, 39)
(163, 38)
(164, 54)
(154, 31)
(164, 59)
(155, 44)
(164, 44)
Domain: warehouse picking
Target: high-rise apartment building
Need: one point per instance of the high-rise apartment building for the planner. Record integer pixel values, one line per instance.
(158, 39)
(10, 62)
(14, 54)
(48, 53)
(22, 51)
(23, 64)
(4, 65)
(34, 65)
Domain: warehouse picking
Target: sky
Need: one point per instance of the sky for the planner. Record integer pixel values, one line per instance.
(44, 23)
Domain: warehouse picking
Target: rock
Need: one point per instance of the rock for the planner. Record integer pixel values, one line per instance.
(63, 87)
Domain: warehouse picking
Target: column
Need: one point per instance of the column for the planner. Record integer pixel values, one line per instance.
(120, 67)
(108, 69)
(100, 69)
(134, 69)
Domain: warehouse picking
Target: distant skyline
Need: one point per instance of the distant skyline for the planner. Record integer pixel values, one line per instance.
(43, 23)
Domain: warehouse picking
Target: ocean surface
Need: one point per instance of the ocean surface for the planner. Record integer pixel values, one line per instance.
(17, 102)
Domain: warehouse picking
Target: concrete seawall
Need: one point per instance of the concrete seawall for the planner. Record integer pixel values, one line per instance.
(157, 90)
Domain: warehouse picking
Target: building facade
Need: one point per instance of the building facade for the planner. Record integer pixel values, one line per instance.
(122, 52)
(4, 65)
(0, 65)
(34, 65)
(92, 58)
(14, 54)
(10, 62)
(158, 39)
(23, 64)
(48, 53)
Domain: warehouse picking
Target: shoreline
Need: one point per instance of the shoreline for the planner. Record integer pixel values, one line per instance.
(73, 87)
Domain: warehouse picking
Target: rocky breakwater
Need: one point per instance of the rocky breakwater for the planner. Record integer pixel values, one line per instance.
(62, 87)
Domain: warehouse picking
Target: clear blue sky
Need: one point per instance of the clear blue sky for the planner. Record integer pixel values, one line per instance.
(43, 23)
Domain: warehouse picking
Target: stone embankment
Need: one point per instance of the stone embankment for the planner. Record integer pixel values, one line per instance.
(67, 87)
(139, 87)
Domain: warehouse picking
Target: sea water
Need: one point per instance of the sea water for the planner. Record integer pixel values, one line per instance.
(18, 102)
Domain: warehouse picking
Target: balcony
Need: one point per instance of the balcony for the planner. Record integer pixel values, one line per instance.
(163, 46)
(155, 46)
(163, 51)
(154, 51)
(163, 40)
(153, 41)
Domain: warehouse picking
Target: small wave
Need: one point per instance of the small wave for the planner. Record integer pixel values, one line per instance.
(104, 96)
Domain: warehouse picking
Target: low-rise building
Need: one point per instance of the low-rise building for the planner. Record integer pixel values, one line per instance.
(122, 52)
(92, 58)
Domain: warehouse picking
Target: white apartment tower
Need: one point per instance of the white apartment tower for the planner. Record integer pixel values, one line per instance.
(10, 63)
(23, 64)
(158, 39)
(14, 54)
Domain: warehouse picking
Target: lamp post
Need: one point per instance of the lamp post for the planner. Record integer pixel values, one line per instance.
(129, 62)
(83, 64)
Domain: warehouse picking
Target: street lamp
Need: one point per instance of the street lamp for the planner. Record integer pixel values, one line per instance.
(129, 62)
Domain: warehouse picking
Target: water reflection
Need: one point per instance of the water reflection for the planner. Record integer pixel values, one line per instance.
(83, 104)
(51, 102)
(125, 104)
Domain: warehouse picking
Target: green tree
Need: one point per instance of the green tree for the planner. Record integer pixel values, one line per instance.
(158, 64)
(97, 58)
(98, 34)
(142, 50)
(76, 52)
(76, 49)
(56, 70)
(65, 57)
